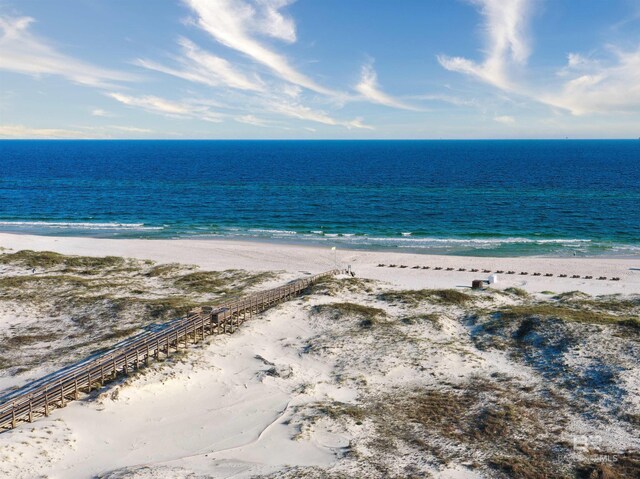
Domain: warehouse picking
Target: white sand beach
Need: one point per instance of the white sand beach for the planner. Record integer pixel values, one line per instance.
(243, 405)
(295, 259)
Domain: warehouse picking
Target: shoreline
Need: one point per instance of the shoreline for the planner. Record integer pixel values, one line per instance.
(219, 254)
(331, 241)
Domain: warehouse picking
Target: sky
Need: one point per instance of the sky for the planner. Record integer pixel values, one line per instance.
(319, 69)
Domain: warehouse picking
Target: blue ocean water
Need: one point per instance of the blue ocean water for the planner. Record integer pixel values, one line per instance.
(453, 197)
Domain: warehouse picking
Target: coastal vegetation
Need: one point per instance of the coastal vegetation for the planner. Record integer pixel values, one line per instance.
(570, 357)
(412, 382)
(449, 297)
(81, 304)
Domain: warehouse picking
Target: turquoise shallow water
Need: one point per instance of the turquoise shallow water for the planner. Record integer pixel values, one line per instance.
(505, 198)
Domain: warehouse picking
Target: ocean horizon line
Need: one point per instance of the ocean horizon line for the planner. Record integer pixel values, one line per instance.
(337, 140)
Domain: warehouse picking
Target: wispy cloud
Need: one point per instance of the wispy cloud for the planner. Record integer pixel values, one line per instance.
(21, 131)
(302, 112)
(584, 85)
(505, 119)
(130, 129)
(451, 99)
(252, 120)
(369, 89)
(23, 52)
(199, 66)
(593, 86)
(237, 23)
(170, 108)
(507, 43)
(101, 113)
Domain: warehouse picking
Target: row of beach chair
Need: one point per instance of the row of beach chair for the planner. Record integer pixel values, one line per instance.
(500, 271)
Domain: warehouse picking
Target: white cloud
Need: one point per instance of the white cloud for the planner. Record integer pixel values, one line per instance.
(234, 24)
(23, 52)
(200, 66)
(595, 87)
(584, 85)
(170, 108)
(130, 129)
(302, 112)
(505, 119)
(100, 112)
(507, 43)
(451, 99)
(369, 89)
(252, 120)
(21, 131)
(274, 23)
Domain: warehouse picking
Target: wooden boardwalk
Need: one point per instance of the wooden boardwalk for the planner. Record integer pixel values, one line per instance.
(55, 390)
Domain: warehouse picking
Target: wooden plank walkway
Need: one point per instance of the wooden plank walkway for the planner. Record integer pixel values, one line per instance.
(55, 390)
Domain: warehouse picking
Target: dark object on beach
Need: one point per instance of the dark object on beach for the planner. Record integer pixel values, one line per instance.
(392, 266)
(474, 270)
(425, 267)
(523, 272)
(449, 269)
(575, 276)
(415, 267)
(615, 279)
(489, 271)
(537, 274)
(562, 275)
(438, 268)
(462, 269)
(403, 266)
(588, 277)
(477, 284)
(602, 278)
(511, 272)
(499, 271)
(381, 265)
(548, 275)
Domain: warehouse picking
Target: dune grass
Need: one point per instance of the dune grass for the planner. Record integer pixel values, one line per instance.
(449, 297)
(337, 310)
(94, 301)
(520, 293)
(332, 286)
(564, 312)
(49, 260)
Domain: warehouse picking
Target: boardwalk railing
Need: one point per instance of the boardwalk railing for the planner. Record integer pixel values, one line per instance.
(56, 389)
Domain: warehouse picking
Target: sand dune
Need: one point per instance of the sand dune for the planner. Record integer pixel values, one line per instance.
(303, 391)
